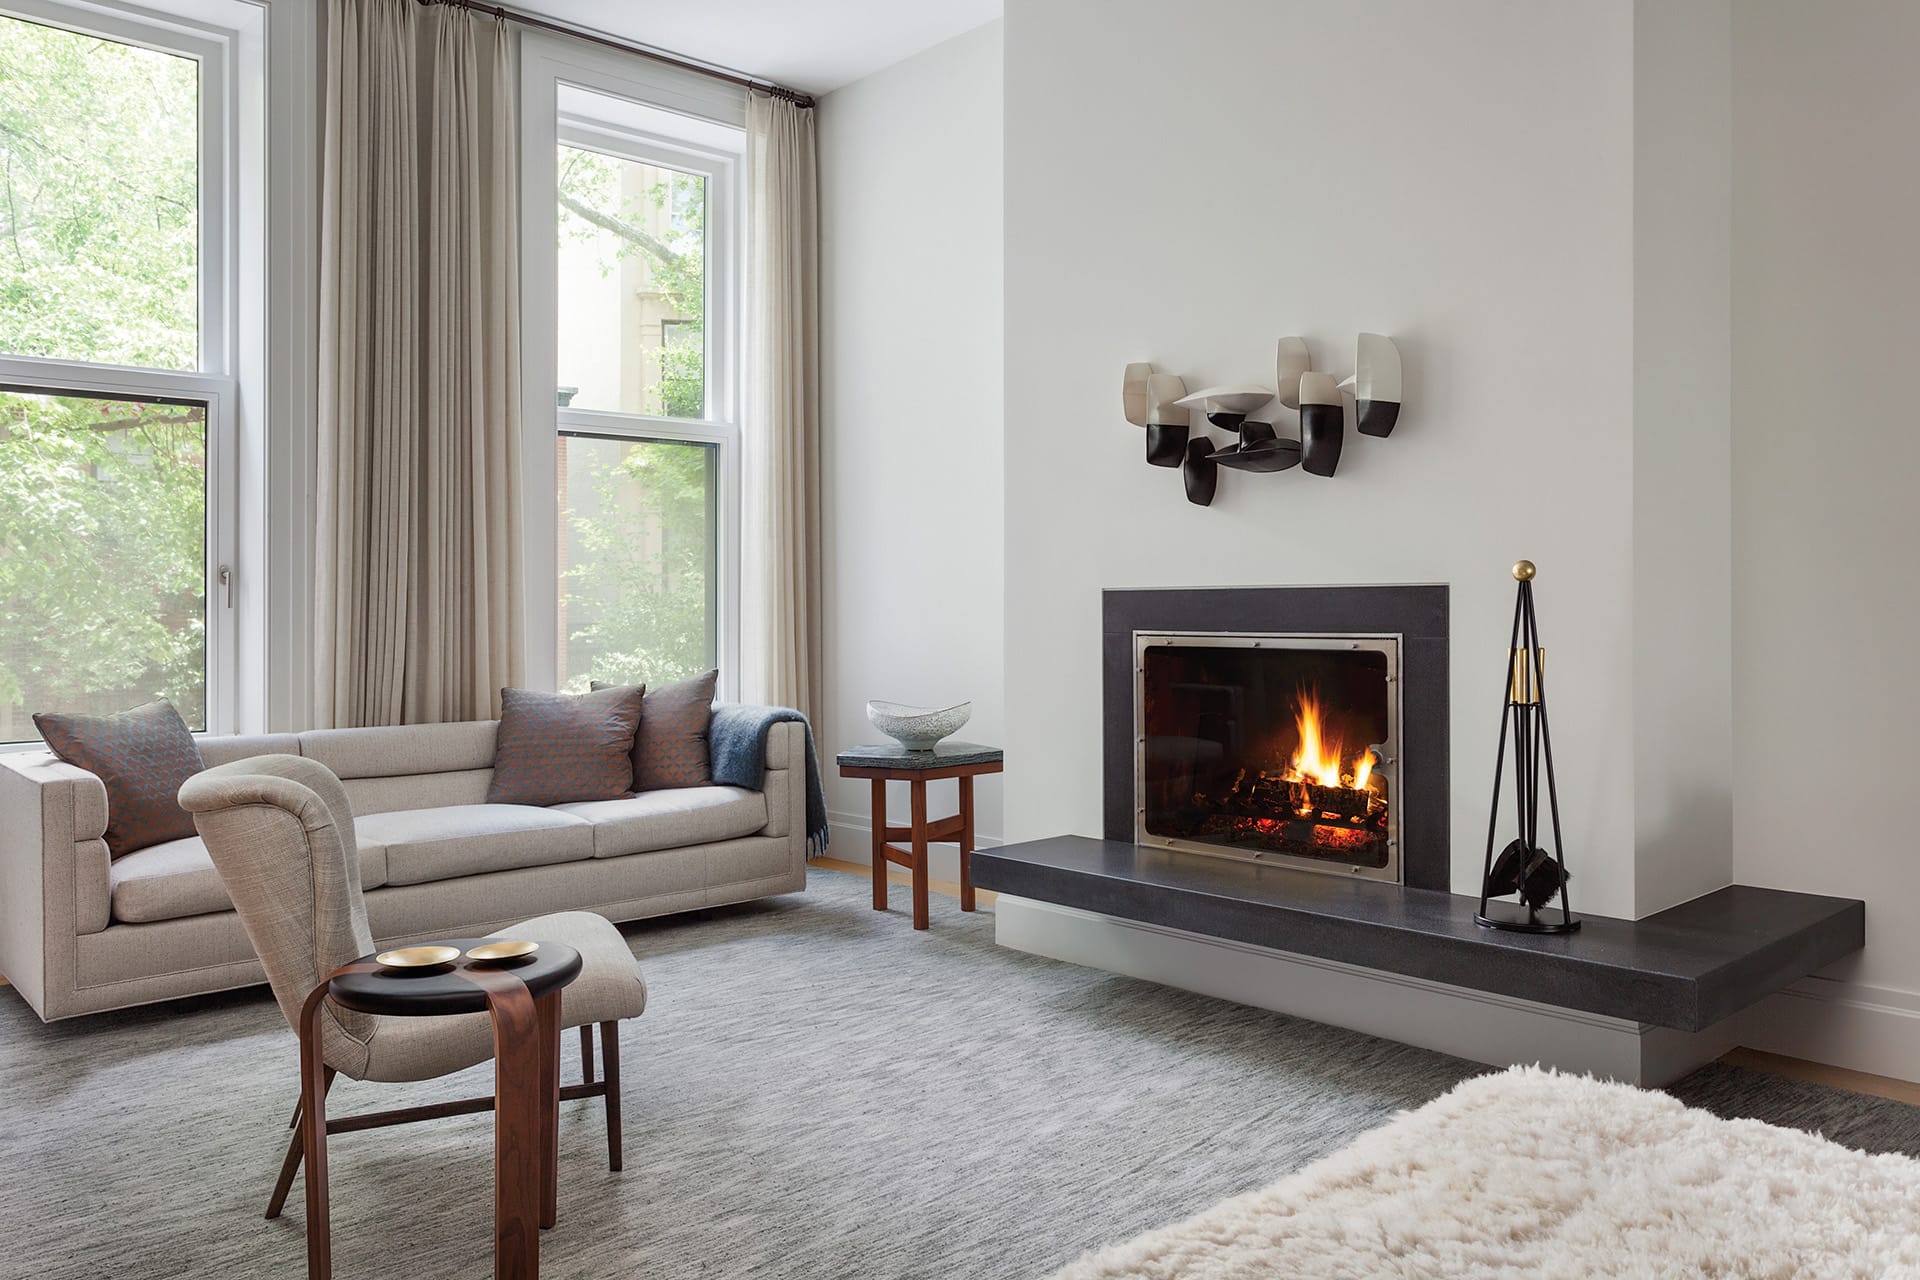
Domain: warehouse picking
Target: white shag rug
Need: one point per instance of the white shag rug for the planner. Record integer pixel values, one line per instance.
(1532, 1173)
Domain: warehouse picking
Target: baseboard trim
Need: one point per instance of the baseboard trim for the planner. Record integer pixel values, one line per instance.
(1480, 1026)
(1851, 1025)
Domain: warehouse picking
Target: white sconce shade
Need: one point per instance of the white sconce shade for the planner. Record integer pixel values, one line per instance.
(1134, 393)
(1167, 400)
(1376, 385)
(1289, 364)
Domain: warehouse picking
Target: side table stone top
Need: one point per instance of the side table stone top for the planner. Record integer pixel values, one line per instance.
(894, 756)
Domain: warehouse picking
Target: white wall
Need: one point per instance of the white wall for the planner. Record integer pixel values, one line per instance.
(1682, 460)
(911, 215)
(1826, 321)
(1187, 187)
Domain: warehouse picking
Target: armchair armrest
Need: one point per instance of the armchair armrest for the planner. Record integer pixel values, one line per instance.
(54, 881)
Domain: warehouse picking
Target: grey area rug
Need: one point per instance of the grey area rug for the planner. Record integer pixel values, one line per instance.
(815, 1090)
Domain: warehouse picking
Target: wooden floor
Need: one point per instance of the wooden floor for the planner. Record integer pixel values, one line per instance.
(899, 875)
(1751, 1059)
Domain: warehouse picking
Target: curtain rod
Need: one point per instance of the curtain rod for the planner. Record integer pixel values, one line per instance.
(591, 36)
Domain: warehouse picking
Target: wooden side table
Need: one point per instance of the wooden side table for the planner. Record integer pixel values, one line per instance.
(523, 1000)
(895, 763)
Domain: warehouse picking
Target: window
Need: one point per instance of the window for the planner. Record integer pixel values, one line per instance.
(632, 285)
(115, 389)
(636, 227)
(638, 572)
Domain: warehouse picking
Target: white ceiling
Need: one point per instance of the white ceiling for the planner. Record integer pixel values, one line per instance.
(814, 45)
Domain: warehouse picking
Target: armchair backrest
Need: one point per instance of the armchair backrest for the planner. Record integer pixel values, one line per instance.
(280, 832)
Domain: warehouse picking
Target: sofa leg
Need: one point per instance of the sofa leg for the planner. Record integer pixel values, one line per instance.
(610, 1054)
(295, 1149)
(586, 1053)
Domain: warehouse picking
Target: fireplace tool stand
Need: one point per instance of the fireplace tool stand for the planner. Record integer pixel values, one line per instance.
(1523, 869)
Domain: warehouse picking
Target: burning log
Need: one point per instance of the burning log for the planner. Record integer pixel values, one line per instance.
(1263, 796)
(1344, 802)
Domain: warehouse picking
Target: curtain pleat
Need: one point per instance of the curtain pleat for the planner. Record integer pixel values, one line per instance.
(783, 546)
(417, 576)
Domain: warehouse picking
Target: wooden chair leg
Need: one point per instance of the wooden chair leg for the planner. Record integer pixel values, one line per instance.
(295, 1146)
(610, 1055)
(586, 1053)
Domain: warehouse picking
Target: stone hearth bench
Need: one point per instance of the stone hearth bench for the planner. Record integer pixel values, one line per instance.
(1686, 968)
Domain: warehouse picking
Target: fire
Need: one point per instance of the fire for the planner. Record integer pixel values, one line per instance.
(1318, 758)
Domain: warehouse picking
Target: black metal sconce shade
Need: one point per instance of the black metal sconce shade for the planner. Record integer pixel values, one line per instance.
(1199, 472)
(1322, 432)
(1376, 417)
(1259, 450)
(1166, 445)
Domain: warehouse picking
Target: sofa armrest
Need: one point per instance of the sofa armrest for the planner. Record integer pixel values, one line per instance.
(54, 880)
(785, 784)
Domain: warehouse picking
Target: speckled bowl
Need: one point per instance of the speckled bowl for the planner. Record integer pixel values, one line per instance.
(918, 728)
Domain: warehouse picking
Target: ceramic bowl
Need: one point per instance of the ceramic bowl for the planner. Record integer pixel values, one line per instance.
(918, 728)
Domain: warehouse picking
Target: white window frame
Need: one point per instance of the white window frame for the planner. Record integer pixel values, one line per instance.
(714, 116)
(226, 38)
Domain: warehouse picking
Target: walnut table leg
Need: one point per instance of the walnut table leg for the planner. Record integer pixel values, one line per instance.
(879, 844)
(519, 1136)
(547, 1010)
(919, 853)
(966, 843)
(313, 1121)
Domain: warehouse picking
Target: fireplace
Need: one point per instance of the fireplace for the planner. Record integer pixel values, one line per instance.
(1296, 727)
(1274, 748)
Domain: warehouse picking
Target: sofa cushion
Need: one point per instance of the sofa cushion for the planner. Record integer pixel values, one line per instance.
(670, 819)
(556, 747)
(141, 756)
(469, 839)
(395, 750)
(178, 878)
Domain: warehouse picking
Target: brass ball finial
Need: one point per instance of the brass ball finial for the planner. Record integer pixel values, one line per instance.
(1522, 570)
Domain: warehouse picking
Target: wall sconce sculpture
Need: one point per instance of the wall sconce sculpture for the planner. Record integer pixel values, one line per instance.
(1161, 403)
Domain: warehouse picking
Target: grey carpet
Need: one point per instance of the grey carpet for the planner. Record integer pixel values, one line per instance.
(816, 1090)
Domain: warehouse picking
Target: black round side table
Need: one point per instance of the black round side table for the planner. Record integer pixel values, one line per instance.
(523, 999)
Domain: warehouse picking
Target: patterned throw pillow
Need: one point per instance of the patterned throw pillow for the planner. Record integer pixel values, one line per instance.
(559, 747)
(671, 749)
(142, 756)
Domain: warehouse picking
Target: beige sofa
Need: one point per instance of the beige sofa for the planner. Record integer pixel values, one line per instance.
(80, 933)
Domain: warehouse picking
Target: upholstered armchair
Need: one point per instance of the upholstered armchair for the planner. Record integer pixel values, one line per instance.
(279, 829)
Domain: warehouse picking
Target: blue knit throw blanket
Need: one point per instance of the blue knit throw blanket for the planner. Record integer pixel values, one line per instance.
(738, 738)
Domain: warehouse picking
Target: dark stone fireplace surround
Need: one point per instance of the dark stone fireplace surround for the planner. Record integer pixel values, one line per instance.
(1416, 614)
(1685, 968)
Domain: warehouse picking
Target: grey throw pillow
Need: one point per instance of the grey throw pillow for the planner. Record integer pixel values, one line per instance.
(142, 756)
(554, 748)
(671, 749)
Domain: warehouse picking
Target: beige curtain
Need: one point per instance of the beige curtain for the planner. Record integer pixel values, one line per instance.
(418, 594)
(783, 610)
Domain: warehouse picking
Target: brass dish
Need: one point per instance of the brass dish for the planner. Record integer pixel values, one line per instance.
(505, 949)
(417, 957)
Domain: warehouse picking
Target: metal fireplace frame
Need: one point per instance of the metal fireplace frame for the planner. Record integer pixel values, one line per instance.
(1321, 642)
(1415, 612)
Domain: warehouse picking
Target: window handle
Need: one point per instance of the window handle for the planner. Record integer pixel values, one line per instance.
(226, 583)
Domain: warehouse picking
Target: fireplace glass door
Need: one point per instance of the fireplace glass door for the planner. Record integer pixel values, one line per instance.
(1270, 748)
